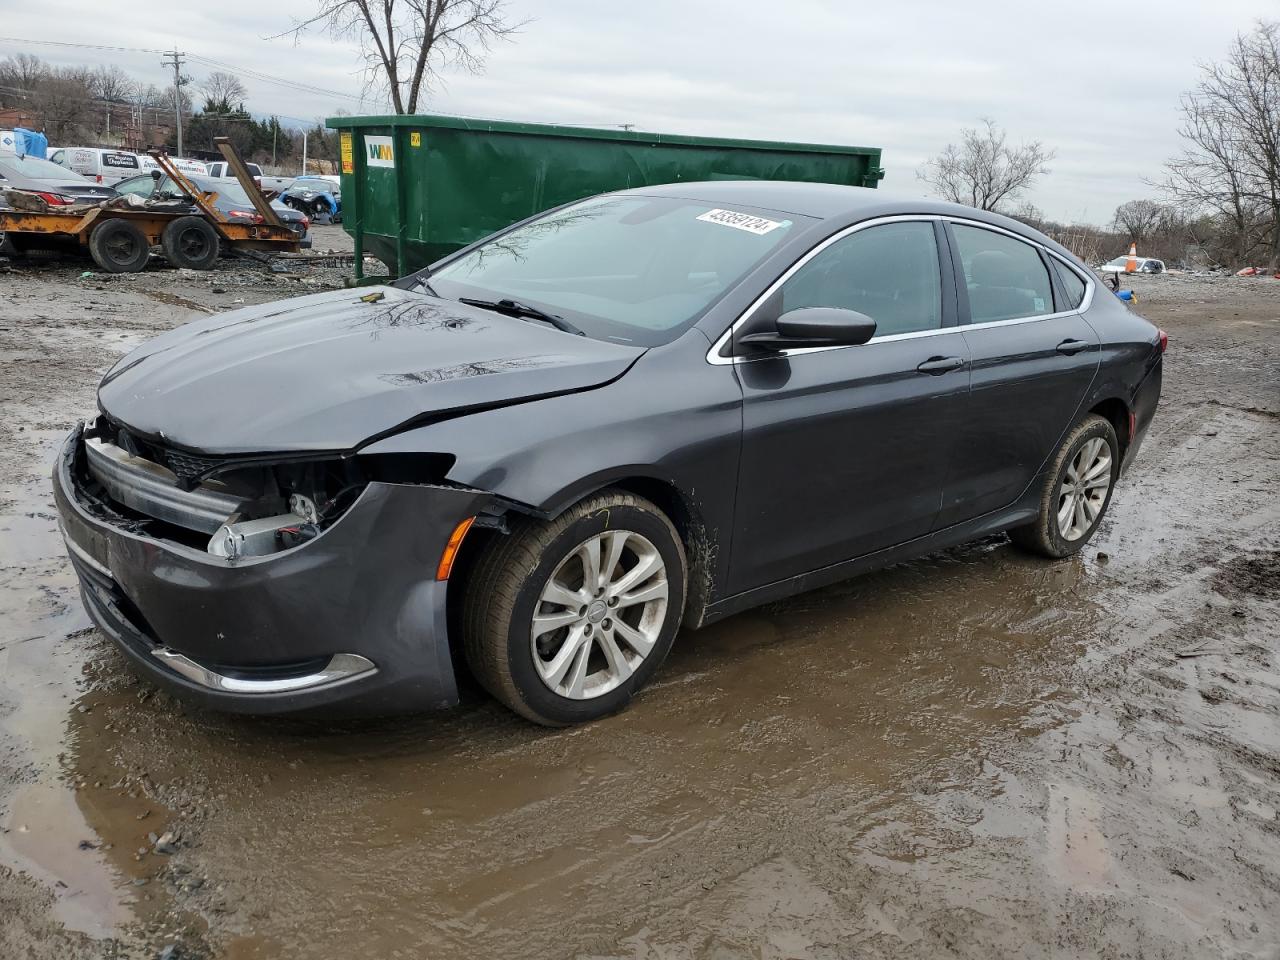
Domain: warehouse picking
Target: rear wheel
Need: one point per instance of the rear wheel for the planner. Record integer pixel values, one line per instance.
(190, 243)
(564, 621)
(117, 246)
(1075, 492)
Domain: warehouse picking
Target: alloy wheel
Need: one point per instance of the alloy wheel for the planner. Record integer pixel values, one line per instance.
(1084, 489)
(599, 614)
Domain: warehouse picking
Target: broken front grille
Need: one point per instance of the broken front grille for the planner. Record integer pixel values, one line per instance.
(154, 491)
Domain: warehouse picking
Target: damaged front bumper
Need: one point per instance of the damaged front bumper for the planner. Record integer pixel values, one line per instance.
(354, 615)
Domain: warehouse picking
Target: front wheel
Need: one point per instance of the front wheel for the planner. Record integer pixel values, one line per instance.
(564, 621)
(1075, 492)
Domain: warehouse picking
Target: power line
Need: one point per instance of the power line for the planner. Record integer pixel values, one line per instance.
(281, 81)
(253, 74)
(85, 46)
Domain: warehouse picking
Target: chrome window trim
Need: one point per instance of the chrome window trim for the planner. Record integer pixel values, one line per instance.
(713, 355)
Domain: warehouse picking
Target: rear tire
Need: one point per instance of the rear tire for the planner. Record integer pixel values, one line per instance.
(191, 243)
(598, 637)
(1075, 492)
(117, 246)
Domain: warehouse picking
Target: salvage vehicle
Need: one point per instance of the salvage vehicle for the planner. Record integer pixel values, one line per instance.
(537, 460)
(56, 185)
(228, 197)
(316, 196)
(1141, 265)
(120, 233)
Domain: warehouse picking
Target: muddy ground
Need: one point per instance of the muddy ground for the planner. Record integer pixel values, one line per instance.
(976, 754)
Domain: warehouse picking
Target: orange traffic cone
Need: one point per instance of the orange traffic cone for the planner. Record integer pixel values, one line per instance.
(1131, 265)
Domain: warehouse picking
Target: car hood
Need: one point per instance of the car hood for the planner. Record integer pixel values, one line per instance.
(333, 370)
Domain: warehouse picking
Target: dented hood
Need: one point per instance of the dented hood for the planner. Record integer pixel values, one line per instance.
(330, 371)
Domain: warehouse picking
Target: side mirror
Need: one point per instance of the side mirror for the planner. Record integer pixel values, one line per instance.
(814, 327)
(157, 174)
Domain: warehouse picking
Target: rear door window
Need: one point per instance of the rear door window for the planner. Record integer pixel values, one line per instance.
(1006, 278)
(889, 272)
(1072, 285)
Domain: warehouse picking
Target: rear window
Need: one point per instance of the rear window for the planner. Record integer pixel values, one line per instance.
(38, 170)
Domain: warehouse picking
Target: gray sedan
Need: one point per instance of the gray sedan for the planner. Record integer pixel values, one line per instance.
(541, 458)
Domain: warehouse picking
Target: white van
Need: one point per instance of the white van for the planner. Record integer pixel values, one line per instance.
(100, 165)
(182, 163)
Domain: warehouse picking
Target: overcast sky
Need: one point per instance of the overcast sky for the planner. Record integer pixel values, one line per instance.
(1096, 81)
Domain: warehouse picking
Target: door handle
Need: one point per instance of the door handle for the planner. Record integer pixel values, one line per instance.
(937, 366)
(1072, 347)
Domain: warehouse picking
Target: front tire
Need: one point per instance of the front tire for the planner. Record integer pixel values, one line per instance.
(564, 621)
(1075, 492)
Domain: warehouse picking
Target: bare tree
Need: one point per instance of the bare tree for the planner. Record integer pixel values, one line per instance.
(1231, 125)
(112, 84)
(984, 171)
(23, 71)
(64, 106)
(407, 43)
(223, 92)
(1139, 218)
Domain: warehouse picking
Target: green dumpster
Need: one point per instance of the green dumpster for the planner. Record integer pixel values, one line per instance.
(415, 188)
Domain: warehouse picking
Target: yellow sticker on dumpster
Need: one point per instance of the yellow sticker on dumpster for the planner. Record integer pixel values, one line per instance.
(415, 138)
(348, 155)
(741, 221)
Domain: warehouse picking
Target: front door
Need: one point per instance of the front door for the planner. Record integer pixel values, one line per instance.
(846, 450)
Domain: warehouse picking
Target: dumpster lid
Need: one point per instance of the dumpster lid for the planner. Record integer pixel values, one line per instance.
(428, 121)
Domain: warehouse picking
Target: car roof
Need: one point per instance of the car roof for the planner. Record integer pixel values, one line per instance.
(821, 200)
(831, 201)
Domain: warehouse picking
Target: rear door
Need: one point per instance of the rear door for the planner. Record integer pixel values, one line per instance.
(845, 450)
(1033, 357)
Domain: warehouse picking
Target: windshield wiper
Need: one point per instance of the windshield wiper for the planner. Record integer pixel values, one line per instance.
(514, 308)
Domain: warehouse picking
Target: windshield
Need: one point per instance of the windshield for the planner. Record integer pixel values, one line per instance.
(39, 170)
(633, 269)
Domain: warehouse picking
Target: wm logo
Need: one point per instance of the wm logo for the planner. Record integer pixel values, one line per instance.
(380, 151)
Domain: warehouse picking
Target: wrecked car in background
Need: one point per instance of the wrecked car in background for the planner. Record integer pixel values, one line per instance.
(56, 185)
(229, 197)
(647, 409)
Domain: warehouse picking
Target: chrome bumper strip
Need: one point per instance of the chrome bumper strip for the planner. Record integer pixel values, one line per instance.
(340, 668)
(151, 489)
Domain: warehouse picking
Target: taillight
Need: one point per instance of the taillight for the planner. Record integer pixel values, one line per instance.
(306, 224)
(99, 178)
(55, 199)
(1164, 341)
(245, 215)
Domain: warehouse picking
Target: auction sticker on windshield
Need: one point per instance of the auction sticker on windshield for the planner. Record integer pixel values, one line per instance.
(741, 221)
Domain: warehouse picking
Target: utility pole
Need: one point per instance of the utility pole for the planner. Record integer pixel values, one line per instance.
(175, 60)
